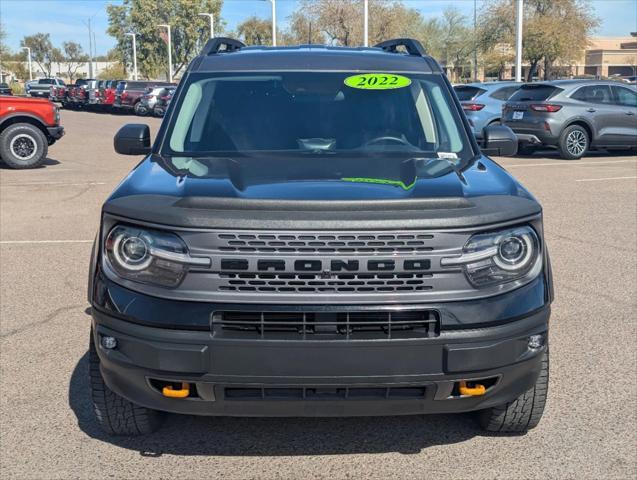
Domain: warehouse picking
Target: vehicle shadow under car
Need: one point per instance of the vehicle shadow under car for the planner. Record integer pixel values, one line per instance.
(232, 436)
(49, 162)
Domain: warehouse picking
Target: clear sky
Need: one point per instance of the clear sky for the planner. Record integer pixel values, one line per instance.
(65, 19)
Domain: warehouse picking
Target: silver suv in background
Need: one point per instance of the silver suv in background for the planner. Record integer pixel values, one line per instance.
(573, 116)
(482, 102)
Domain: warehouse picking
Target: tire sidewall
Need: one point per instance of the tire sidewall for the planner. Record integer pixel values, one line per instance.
(30, 133)
(566, 136)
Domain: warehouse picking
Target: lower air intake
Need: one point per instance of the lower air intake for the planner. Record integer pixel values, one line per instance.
(348, 325)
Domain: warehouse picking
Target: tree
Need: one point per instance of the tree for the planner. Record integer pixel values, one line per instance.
(114, 71)
(74, 57)
(42, 51)
(339, 22)
(254, 31)
(189, 31)
(457, 40)
(547, 37)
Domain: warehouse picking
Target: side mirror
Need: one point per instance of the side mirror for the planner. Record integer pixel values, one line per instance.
(499, 140)
(133, 139)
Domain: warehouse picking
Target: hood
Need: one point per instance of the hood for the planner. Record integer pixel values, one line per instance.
(361, 180)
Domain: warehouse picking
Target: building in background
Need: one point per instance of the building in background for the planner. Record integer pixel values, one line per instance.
(610, 56)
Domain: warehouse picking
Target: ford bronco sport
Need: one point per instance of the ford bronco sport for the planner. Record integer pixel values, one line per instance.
(28, 126)
(315, 232)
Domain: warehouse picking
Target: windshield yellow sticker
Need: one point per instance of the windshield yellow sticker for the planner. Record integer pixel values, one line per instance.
(377, 81)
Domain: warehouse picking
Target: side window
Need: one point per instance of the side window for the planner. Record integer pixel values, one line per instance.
(626, 97)
(594, 94)
(504, 93)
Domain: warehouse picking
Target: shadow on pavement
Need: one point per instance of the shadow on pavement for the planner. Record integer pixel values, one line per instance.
(227, 436)
(49, 162)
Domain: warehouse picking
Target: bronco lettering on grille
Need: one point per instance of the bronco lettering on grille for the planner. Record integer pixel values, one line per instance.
(327, 265)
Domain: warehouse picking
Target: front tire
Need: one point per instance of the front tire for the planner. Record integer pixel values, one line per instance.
(523, 413)
(140, 109)
(115, 414)
(23, 145)
(573, 143)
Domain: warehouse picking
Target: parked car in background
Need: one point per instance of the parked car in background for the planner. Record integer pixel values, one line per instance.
(107, 92)
(5, 89)
(42, 88)
(58, 93)
(27, 127)
(77, 95)
(573, 116)
(482, 102)
(631, 79)
(93, 95)
(147, 103)
(129, 93)
(163, 101)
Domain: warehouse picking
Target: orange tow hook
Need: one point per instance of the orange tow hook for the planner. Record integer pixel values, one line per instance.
(168, 391)
(475, 391)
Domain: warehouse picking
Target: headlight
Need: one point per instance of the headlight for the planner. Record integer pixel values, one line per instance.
(498, 257)
(149, 256)
(56, 115)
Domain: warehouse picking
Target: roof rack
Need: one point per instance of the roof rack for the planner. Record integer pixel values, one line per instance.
(221, 45)
(413, 47)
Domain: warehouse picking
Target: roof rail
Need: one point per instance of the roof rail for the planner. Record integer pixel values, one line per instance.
(413, 47)
(221, 45)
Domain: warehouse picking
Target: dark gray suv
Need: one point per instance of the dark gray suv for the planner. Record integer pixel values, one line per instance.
(573, 115)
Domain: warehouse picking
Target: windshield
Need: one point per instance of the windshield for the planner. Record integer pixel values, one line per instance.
(316, 113)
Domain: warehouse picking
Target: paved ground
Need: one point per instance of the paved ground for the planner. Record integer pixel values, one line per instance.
(49, 217)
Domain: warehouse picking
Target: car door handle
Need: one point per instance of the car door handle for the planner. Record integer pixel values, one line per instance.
(630, 113)
(590, 109)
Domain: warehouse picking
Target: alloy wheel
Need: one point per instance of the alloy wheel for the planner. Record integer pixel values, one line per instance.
(23, 146)
(576, 143)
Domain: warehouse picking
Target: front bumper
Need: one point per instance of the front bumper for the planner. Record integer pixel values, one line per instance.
(241, 377)
(56, 132)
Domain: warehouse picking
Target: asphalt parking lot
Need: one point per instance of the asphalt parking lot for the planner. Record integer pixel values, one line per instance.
(48, 218)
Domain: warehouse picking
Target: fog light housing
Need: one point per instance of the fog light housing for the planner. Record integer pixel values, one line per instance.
(536, 341)
(109, 343)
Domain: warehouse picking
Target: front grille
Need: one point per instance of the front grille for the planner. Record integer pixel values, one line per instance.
(324, 393)
(319, 243)
(329, 325)
(315, 283)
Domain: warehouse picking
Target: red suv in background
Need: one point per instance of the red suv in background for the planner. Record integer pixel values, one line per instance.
(27, 127)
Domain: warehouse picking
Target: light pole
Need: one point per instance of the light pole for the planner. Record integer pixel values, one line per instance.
(29, 60)
(273, 2)
(134, 54)
(366, 24)
(170, 55)
(211, 16)
(518, 40)
(475, 41)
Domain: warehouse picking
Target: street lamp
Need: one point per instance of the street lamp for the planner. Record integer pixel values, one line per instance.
(273, 2)
(134, 55)
(366, 24)
(29, 59)
(518, 41)
(170, 55)
(211, 16)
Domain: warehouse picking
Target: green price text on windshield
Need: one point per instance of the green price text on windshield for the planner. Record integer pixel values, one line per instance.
(377, 81)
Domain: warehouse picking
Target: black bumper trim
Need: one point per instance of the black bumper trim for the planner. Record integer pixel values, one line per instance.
(56, 132)
(145, 353)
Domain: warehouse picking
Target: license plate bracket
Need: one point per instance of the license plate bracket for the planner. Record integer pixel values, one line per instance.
(518, 115)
